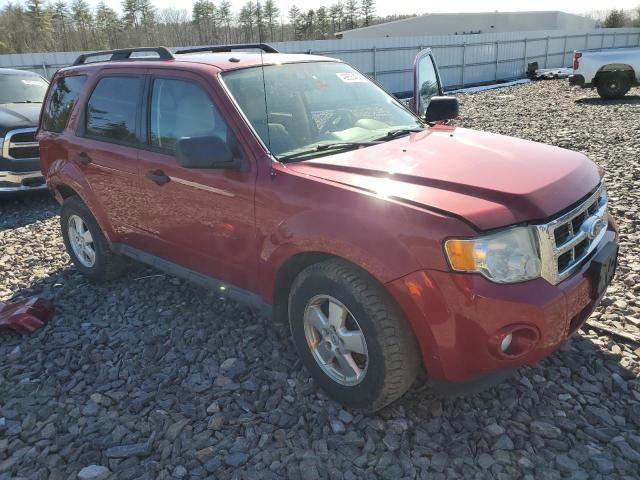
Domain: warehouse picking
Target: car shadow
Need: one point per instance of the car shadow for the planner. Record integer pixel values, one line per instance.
(20, 209)
(626, 100)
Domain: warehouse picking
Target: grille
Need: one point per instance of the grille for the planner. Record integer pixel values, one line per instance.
(566, 241)
(21, 144)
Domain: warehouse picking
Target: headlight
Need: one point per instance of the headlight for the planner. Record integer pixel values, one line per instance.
(509, 256)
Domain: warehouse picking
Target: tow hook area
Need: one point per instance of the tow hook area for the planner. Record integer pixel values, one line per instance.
(25, 316)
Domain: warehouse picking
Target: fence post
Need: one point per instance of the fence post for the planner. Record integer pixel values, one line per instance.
(464, 60)
(44, 68)
(524, 67)
(375, 73)
(602, 35)
(626, 41)
(564, 51)
(546, 52)
(497, 59)
(586, 41)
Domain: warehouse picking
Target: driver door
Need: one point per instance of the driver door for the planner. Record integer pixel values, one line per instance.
(426, 81)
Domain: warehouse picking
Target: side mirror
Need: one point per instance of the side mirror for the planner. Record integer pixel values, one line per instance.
(204, 152)
(442, 108)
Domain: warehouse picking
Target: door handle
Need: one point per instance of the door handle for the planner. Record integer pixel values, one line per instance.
(157, 176)
(82, 158)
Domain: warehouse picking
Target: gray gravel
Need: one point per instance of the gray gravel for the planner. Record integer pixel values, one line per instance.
(150, 377)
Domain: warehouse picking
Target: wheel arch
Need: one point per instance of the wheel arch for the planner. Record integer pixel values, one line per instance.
(624, 68)
(286, 275)
(63, 190)
(291, 268)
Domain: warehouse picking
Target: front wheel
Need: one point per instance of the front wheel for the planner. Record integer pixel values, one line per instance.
(351, 336)
(612, 85)
(86, 244)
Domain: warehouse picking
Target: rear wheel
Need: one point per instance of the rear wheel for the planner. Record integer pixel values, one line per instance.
(351, 336)
(613, 85)
(86, 244)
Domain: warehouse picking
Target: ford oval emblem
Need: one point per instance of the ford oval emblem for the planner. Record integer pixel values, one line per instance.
(592, 226)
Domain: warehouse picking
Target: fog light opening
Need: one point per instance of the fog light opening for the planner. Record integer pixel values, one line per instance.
(514, 341)
(506, 343)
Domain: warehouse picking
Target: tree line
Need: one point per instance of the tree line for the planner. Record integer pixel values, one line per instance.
(622, 18)
(69, 25)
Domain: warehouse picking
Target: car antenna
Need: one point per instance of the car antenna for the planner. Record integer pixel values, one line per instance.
(264, 83)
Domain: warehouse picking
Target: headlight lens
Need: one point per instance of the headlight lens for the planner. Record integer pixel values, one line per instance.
(505, 257)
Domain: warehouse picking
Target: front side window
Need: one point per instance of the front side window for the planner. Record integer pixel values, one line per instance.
(113, 107)
(297, 106)
(22, 88)
(64, 95)
(181, 109)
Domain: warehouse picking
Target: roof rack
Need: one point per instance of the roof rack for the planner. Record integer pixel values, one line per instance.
(125, 53)
(265, 47)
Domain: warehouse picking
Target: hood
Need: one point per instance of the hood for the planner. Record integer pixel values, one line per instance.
(18, 115)
(489, 180)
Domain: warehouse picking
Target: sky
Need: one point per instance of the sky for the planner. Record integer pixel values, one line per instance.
(388, 7)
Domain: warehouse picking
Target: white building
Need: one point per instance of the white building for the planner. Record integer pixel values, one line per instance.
(469, 23)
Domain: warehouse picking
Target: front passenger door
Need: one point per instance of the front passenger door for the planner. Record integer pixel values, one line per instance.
(202, 219)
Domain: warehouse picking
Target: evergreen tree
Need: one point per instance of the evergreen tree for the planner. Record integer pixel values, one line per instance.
(297, 22)
(271, 12)
(246, 20)
(224, 13)
(61, 19)
(336, 13)
(81, 15)
(130, 13)
(147, 13)
(204, 18)
(259, 17)
(109, 24)
(616, 19)
(351, 12)
(309, 27)
(368, 9)
(322, 22)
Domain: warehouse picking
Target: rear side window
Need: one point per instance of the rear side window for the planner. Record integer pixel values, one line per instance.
(112, 109)
(64, 95)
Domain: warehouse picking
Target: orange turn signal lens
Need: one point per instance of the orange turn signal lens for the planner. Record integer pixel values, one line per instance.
(460, 253)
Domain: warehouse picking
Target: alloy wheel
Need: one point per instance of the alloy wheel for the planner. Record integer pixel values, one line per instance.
(81, 241)
(336, 340)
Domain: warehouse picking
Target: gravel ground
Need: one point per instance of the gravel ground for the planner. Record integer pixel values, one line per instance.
(150, 377)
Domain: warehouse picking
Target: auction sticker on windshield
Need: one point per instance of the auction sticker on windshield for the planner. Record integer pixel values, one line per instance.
(350, 77)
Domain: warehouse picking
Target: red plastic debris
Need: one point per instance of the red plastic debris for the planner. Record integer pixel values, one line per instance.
(26, 315)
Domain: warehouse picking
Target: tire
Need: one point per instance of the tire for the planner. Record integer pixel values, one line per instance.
(391, 360)
(106, 264)
(612, 85)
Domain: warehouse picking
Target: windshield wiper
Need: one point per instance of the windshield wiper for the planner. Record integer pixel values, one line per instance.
(323, 147)
(400, 132)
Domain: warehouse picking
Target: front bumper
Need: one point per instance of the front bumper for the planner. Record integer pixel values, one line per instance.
(457, 317)
(11, 182)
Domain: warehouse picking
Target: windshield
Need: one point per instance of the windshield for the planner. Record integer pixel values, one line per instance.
(17, 88)
(316, 103)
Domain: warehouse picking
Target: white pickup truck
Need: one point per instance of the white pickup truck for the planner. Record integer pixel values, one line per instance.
(613, 72)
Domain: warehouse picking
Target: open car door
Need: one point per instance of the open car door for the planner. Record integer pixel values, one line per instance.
(426, 81)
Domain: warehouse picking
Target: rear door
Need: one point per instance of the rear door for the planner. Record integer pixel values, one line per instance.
(426, 81)
(202, 219)
(107, 143)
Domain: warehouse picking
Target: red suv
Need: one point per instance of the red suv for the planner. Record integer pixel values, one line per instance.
(387, 239)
